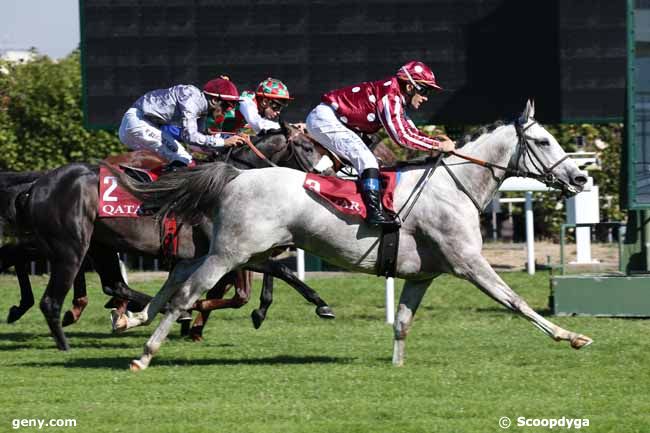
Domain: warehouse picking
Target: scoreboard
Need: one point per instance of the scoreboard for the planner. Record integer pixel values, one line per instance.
(488, 55)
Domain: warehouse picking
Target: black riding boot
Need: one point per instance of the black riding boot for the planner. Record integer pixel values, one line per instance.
(371, 194)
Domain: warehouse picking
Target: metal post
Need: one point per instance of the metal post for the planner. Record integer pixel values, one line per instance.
(562, 236)
(645, 215)
(494, 223)
(530, 234)
(300, 264)
(621, 234)
(390, 300)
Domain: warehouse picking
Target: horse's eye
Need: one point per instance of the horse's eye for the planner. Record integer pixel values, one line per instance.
(542, 142)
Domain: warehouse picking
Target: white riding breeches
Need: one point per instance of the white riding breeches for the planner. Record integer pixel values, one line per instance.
(327, 129)
(138, 133)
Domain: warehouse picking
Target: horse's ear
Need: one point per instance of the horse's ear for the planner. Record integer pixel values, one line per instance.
(289, 130)
(532, 109)
(529, 111)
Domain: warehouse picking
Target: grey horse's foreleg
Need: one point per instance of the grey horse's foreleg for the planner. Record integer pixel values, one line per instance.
(409, 301)
(179, 275)
(206, 274)
(481, 274)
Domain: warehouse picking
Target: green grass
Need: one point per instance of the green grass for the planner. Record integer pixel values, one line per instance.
(469, 362)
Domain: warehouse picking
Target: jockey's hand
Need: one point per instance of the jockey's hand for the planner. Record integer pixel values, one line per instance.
(446, 143)
(234, 141)
(301, 126)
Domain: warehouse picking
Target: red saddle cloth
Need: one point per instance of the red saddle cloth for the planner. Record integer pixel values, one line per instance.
(345, 195)
(114, 201)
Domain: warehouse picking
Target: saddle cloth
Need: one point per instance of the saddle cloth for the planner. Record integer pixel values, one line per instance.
(345, 195)
(114, 201)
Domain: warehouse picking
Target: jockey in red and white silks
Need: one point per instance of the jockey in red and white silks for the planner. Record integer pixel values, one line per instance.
(367, 107)
(161, 119)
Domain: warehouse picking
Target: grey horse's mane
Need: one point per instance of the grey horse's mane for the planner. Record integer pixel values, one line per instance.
(481, 130)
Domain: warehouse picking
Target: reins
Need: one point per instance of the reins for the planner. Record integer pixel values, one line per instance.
(524, 148)
(257, 152)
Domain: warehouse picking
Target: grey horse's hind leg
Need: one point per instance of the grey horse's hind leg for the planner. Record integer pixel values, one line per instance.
(480, 273)
(409, 301)
(199, 277)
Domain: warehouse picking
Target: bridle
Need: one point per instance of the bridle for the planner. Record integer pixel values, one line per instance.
(542, 172)
(525, 149)
(294, 155)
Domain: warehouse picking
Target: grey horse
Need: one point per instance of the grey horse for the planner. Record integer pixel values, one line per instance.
(257, 211)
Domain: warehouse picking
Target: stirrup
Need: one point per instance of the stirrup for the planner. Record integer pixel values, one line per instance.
(387, 222)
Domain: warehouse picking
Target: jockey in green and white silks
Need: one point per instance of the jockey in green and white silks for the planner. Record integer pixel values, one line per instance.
(260, 110)
(163, 120)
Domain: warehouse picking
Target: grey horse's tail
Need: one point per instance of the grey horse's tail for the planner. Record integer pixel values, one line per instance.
(189, 193)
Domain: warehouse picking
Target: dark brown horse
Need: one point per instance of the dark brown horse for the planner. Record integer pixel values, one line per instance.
(60, 212)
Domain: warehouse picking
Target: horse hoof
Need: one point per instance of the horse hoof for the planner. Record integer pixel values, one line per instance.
(196, 334)
(325, 312)
(63, 346)
(15, 313)
(185, 316)
(68, 319)
(136, 366)
(257, 319)
(119, 321)
(581, 341)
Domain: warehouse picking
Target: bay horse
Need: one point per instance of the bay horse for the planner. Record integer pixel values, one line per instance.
(440, 230)
(60, 211)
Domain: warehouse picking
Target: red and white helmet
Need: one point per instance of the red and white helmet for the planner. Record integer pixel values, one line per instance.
(221, 88)
(418, 74)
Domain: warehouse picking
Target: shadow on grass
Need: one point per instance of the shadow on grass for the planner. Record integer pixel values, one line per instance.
(122, 363)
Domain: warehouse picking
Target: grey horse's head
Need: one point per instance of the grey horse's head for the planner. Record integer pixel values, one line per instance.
(540, 154)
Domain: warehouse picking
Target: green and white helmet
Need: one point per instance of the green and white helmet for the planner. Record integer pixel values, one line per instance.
(273, 89)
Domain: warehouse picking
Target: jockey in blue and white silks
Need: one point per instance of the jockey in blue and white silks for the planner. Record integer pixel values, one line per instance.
(163, 120)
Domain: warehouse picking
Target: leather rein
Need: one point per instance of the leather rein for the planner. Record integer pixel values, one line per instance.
(294, 154)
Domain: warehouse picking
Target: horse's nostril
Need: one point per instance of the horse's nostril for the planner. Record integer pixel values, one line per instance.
(580, 180)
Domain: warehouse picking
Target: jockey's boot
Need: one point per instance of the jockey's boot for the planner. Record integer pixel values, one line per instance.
(371, 194)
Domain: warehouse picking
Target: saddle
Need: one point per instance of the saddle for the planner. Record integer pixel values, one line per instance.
(115, 202)
(345, 197)
(142, 165)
